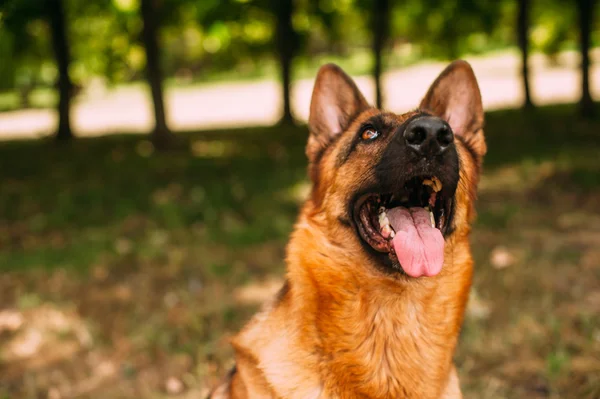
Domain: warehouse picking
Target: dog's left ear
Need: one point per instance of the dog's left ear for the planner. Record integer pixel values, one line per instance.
(335, 101)
(455, 97)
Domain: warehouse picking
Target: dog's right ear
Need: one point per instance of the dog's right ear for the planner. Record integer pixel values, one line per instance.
(335, 102)
(455, 97)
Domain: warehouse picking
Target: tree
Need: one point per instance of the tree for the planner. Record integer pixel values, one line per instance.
(56, 18)
(523, 39)
(380, 12)
(585, 10)
(286, 46)
(250, 31)
(161, 135)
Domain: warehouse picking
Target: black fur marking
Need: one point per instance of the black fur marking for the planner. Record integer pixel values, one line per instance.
(228, 378)
(472, 152)
(282, 293)
(345, 221)
(232, 372)
(323, 150)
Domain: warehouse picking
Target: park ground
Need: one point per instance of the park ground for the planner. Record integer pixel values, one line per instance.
(125, 271)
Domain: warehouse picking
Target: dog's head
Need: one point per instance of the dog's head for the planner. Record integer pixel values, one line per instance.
(401, 185)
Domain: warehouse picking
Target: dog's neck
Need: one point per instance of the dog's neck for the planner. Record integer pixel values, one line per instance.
(369, 327)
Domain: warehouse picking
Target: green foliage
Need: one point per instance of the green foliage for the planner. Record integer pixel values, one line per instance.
(446, 29)
(24, 44)
(554, 26)
(105, 40)
(202, 38)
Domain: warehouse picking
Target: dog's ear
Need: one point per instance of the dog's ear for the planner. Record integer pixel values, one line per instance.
(335, 102)
(455, 97)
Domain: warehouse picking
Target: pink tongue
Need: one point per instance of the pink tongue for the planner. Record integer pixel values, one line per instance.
(419, 247)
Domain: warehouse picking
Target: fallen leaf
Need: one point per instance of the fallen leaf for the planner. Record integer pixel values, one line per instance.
(173, 386)
(501, 258)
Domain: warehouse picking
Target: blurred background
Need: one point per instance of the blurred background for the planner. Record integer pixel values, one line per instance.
(152, 166)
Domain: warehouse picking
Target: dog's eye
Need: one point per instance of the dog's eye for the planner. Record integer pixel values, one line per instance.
(369, 134)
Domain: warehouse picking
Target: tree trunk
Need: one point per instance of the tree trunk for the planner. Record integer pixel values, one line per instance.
(56, 17)
(25, 95)
(161, 135)
(585, 11)
(381, 11)
(286, 48)
(523, 39)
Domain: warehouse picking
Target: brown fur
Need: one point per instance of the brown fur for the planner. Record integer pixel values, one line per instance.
(342, 327)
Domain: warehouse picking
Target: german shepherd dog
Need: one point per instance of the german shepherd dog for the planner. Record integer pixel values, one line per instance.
(379, 264)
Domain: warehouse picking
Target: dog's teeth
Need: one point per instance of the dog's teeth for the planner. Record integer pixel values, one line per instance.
(387, 231)
(384, 224)
(434, 183)
(383, 219)
(431, 218)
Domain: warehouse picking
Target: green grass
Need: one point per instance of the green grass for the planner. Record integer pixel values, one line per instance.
(151, 249)
(69, 204)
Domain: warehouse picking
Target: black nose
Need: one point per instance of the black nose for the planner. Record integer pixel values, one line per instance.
(429, 136)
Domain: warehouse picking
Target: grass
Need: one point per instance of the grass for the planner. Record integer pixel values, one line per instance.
(154, 259)
(77, 210)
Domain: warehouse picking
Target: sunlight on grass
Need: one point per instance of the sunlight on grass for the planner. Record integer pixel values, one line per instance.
(213, 149)
(517, 176)
(258, 292)
(299, 192)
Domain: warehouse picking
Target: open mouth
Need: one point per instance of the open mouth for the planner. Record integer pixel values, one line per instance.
(408, 224)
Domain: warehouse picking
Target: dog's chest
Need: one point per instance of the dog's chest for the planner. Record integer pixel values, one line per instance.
(388, 352)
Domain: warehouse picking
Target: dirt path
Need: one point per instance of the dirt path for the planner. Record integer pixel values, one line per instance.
(257, 103)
